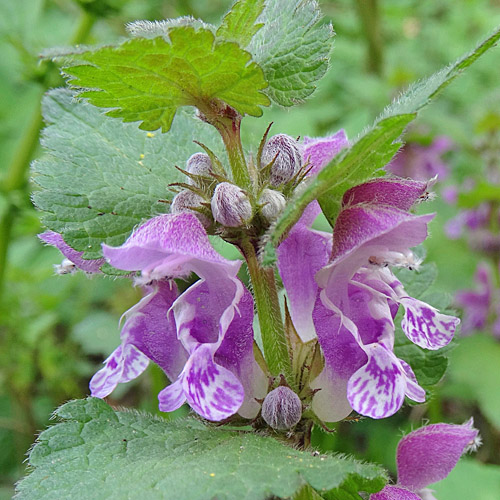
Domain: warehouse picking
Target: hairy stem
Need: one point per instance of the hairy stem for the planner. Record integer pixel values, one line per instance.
(16, 178)
(228, 122)
(269, 313)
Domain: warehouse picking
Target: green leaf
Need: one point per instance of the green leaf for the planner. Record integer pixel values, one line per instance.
(292, 48)
(239, 24)
(470, 479)
(146, 80)
(100, 453)
(475, 369)
(481, 193)
(428, 366)
(101, 177)
(375, 147)
(418, 282)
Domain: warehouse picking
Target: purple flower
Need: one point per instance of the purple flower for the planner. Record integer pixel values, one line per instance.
(426, 456)
(476, 303)
(341, 291)
(421, 162)
(73, 256)
(203, 338)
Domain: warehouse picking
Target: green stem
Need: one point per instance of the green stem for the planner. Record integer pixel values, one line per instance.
(269, 313)
(228, 122)
(16, 178)
(368, 11)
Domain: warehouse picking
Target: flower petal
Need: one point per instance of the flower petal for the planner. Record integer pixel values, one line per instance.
(394, 493)
(413, 390)
(320, 151)
(343, 356)
(170, 246)
(146, 335)
(426, 326)
(391, 191)
(301, 255)
(125, 364)
(236, 354)
(87, 265)
(211, 390)
(378, 388)
(429, 454)
(365, 230)
(172, 397)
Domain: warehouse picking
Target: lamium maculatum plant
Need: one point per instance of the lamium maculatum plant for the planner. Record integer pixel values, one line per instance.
(144, 169)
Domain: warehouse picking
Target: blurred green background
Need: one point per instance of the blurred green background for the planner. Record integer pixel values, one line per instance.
(56, 330)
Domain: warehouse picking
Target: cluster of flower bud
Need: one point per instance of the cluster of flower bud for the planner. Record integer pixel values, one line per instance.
(281, 161)
(230, 205)
(285, 152)
(282, 408)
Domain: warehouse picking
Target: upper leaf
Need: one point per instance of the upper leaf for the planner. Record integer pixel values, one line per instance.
(100, 453)
(101, 177)
(239, 24)
(146, 79)
(292, 48)
(375, 147)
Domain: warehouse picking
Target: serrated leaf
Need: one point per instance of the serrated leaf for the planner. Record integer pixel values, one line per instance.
(101, 177)
(146, 80)
(292, 48)
(154, 29)
(376, 145)
(99, 453)
(239, 24)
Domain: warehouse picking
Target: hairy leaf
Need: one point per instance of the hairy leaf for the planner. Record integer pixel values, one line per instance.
(292, 48)
(101, 453)
(375, 147)
(239, 24)
(146, 79)
(101, 177)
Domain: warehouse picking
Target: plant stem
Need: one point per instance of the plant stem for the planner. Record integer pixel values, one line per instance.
(228, 122)
(368, 11)
(269, 313)
(16, 178)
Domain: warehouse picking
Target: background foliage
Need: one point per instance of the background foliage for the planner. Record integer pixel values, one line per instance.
(55, 331)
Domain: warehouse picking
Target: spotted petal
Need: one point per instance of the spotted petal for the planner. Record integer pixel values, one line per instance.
(377, 389)
(146, 335)
(172, 397)
(426, 326)
(211, 390)
(125, 364)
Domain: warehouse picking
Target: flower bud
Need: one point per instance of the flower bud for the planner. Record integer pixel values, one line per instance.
(185, 201)
(282, 408)
(288, 158)
(273, 202)
(230, 205)
(199, 164)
